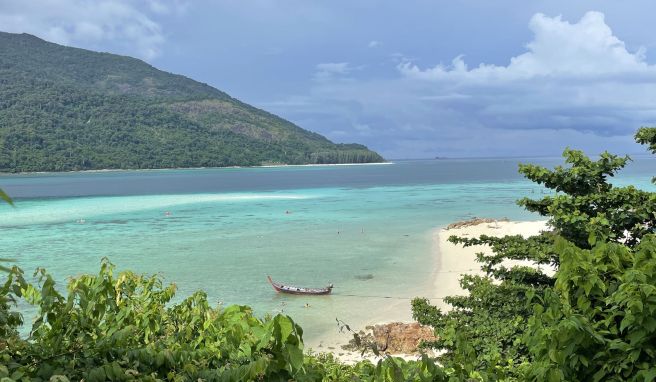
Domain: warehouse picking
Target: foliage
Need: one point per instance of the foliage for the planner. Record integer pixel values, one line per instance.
(599, 321)
(9, 320)
(647, 136)
(125, 326)
(5, 198)
(122, 327)
(64, 109)
(493, 335)
(588, 208)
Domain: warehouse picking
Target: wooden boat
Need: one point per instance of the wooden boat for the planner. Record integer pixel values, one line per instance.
(297, 290)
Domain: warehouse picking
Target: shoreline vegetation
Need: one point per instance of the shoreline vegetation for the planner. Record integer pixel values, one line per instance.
(104, 170)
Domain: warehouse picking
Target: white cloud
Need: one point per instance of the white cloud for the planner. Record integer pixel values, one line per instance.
(334, 67)
(374, 44)
(168, 6)
(90, 23)
(331, 69)
(573, 76)
(576, 84)
(559, 49)
(363, 129)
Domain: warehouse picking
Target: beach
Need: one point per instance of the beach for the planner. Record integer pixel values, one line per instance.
(451, 261)
(454, 260)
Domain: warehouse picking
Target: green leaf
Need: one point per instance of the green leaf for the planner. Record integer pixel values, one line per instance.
(648, 375)
(6, 198)
(295, 357)
(286, 327)
(96, 375)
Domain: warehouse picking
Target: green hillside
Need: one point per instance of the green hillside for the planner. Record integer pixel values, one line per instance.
(64, 108)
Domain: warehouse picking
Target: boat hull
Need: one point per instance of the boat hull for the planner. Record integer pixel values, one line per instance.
(288, 289)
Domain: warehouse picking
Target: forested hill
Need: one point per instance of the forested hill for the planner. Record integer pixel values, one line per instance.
(64, 108)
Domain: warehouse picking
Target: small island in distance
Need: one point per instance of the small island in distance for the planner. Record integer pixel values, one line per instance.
(70, 109)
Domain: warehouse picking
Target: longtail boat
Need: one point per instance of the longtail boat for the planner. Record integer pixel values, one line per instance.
(298, 290)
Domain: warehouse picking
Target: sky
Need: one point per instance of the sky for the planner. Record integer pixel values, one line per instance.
(409, 79)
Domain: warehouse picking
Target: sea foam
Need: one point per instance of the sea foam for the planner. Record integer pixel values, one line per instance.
(48, 211)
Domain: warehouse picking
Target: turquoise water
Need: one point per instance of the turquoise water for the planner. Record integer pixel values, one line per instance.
(366, 229)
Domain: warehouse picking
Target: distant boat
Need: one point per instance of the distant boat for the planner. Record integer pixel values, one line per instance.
(298, 290)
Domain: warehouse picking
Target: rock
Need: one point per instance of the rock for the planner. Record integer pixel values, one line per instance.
(391, 338)
(397, 337)
(473, 222)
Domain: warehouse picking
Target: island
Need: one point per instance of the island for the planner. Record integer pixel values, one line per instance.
(70, 109)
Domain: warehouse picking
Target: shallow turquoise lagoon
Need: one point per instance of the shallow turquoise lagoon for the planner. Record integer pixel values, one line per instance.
(366, 229)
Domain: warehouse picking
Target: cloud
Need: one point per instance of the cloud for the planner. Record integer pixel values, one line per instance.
(168, 7)
(329, 70)
(573, 76)
(574, 81)
(119, 23)
(334, 67)
(587, 49)
(374, 44)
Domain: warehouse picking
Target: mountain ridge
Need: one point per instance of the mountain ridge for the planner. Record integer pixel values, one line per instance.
(65, 108)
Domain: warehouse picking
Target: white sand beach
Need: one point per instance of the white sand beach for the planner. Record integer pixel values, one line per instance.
(451, 262)
(454, 260)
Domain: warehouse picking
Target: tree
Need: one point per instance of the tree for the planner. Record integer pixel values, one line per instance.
(599, 321)
(587, 211)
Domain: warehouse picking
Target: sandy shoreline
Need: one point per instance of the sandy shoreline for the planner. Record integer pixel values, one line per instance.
(454, 260)
(451, 261)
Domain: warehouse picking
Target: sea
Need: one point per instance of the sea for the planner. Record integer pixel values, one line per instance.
(367, 229)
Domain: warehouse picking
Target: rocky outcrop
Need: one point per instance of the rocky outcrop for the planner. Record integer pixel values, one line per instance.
(392, 338)
(397, 337)
(474, 221)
